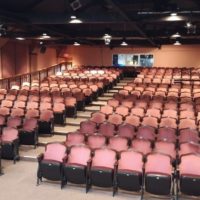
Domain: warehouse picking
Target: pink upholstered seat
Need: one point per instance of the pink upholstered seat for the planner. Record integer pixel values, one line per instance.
(130, 161)
(107, 129)
(126, 130)
(96, 141)
(98, 117)
(186, 168)
(9, 134)
(88, 127)
(104, 158)
(118, 143)
(55, 152)
(115, 119)
(146, 133)
(164, 167)
(79, 155)
(143, 146)
(74, 138)
(167, 134)
(107, 109)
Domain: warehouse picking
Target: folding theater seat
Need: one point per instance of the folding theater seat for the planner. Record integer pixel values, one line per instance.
(46, 122)
(118, 143)
(74, 138)
(168, 123)
(150, 121)
(33, 113)
(126, 130)
(127, 103)
(45, 99)
(29, 132)
(23, 98)
(98, 118)
(88, 95)
(59, 113)
(10, 97)
(114, 103)
(188, 135)
(158, 174)
(33, 98)
(50, 164)
(132, 120)
(115, 119)
(167, 134)
(80, 98)
(103, 169)
(107, 129)
(138, 112)
(122, 110)
(96, 141)
(19, 104)
(107, 109)
(130, 171)
(189, 175)
(146, 133)
(71, 106)
(45, 106)
(7, 103)
(170, 114)
(142, 146)
(153, 113)
(17, 112)
(14, 122)
(187, 124)
(167, 148)
(32, 105)
(88, 127)
(10, 144)
(141, 104)
(5, 112)
(75, 169)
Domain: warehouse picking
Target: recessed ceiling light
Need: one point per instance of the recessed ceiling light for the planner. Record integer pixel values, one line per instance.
(176, 35)
(41, 42)
(75, 20)
(177, 43)
(20, 38)
(174, 17)
(124, 43)
(76, 44)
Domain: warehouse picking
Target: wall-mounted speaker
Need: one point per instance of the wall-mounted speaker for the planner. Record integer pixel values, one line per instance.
(43, 49)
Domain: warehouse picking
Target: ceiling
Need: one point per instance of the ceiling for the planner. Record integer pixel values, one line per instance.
(139, 22)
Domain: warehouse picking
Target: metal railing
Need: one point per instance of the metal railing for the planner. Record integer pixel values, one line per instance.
(7, 83)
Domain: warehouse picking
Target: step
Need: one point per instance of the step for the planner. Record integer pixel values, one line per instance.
(99, 103)
(74, 121)
(104, 98)
(84, 114)
(28, 153)
(113, 91)
(62, 130)
(55, 138)
(107, 94)
(118, 87)
(92, 108)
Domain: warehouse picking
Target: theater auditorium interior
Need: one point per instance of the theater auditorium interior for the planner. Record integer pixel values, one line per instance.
(99, 99)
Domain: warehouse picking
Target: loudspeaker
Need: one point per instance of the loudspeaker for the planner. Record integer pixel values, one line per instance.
(76, 5)
(43, 49)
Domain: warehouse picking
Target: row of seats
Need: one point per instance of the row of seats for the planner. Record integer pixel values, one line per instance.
(129, 170)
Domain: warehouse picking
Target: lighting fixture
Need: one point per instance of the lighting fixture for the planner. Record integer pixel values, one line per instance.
(177, 43)
(176, 35)
(124, 43)
(174, 17)
(41, 42)
(76, 44)
(45, 36)
(188, 24)
(107, 39)
(20, 38)
(173, 14)
(75, 20)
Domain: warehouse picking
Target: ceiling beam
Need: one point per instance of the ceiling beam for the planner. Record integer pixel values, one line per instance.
(128, 19)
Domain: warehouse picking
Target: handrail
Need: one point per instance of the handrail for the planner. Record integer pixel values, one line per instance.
(20, 78)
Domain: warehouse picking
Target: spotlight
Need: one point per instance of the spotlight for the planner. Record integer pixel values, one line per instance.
(20, 38)
(107, 39)
(176, 35)
(177, 43)
(124, 43)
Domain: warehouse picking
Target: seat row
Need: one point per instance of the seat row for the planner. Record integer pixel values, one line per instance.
(128, 171)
